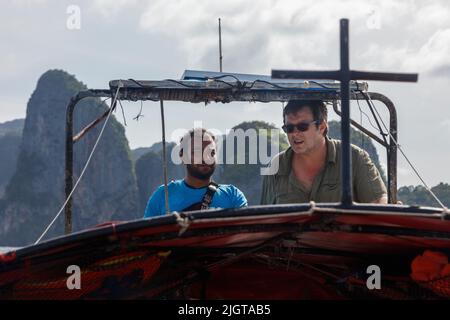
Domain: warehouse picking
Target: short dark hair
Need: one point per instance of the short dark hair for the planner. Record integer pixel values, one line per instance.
(317, 107)
(191, 134)
(196, 130)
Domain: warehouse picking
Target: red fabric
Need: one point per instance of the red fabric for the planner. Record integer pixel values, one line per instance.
(248, 281)
(430, 266)
(48, 286)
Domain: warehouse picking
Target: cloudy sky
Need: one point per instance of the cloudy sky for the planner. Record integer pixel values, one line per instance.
(159, 39)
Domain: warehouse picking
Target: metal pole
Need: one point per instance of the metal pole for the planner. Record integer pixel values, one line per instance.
(69, 164)
(346, 166)
(391, 147)
(220, 45)
(166, 190)
(392, 156)
(69, 149)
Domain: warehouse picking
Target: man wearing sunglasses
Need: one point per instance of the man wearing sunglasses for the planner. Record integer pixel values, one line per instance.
(310, 169)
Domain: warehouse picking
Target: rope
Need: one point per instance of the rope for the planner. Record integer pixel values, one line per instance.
(184, 223)
(113, 102)
(404, 155)
(313, 207)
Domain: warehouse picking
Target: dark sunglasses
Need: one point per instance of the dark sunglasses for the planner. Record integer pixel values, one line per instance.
(302, 126)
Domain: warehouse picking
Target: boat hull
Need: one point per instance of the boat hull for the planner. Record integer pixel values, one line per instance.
(275, 252)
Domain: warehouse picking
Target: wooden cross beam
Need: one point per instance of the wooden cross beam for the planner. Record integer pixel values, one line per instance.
(345, 75)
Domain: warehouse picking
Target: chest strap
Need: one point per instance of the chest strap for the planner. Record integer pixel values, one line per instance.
(209, 194)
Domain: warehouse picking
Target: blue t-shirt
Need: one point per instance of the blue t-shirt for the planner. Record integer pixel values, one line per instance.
(181, 196)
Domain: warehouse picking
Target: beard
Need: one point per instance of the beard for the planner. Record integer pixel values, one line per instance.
(200, 174)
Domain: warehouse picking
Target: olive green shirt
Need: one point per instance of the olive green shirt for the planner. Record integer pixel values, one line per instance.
(283, 186)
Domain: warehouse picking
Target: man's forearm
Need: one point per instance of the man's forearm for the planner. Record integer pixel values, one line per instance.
(382, 200)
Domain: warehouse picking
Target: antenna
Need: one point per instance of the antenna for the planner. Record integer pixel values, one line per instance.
(220, 46)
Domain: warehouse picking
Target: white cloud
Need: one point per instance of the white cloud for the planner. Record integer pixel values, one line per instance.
(434, 54)
(111, 8)
(433, 15)
(302, 34)
(446, 124)
(416, 37)
(28, 2)
(194, 24)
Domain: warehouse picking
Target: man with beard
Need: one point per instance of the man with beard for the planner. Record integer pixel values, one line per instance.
(196, 191)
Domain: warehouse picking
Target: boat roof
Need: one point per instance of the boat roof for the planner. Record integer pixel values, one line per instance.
(203, 75)
(208, 86)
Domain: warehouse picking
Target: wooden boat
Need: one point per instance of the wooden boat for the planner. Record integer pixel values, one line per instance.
(296, 251)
